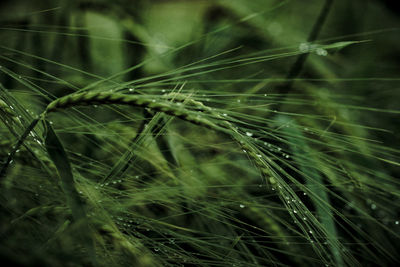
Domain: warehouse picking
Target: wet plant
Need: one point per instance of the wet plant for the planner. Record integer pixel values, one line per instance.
(238, 138)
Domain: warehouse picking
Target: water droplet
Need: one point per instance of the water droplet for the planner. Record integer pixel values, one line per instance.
(163, 90)
(321, 52)
(131, 89)
(396, 222)
(304, 47)
(242, 206)
(238, 100)
(310, 232)
(249, 134)
(295, 211)
(373, 206)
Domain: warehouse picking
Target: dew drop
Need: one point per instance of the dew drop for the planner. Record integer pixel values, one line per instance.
(304, 47)
(249, 134)
(396, 222)
(242, 206)
(321, 52)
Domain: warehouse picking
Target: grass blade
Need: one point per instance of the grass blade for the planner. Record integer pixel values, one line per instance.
(59, 157)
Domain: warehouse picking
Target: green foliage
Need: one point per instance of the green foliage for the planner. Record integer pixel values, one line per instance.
(199, 133)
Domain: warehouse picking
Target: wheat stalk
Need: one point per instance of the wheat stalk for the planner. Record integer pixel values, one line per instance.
(92, 98)
(170, 108)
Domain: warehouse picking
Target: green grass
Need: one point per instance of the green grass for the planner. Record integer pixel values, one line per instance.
(247, 133)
